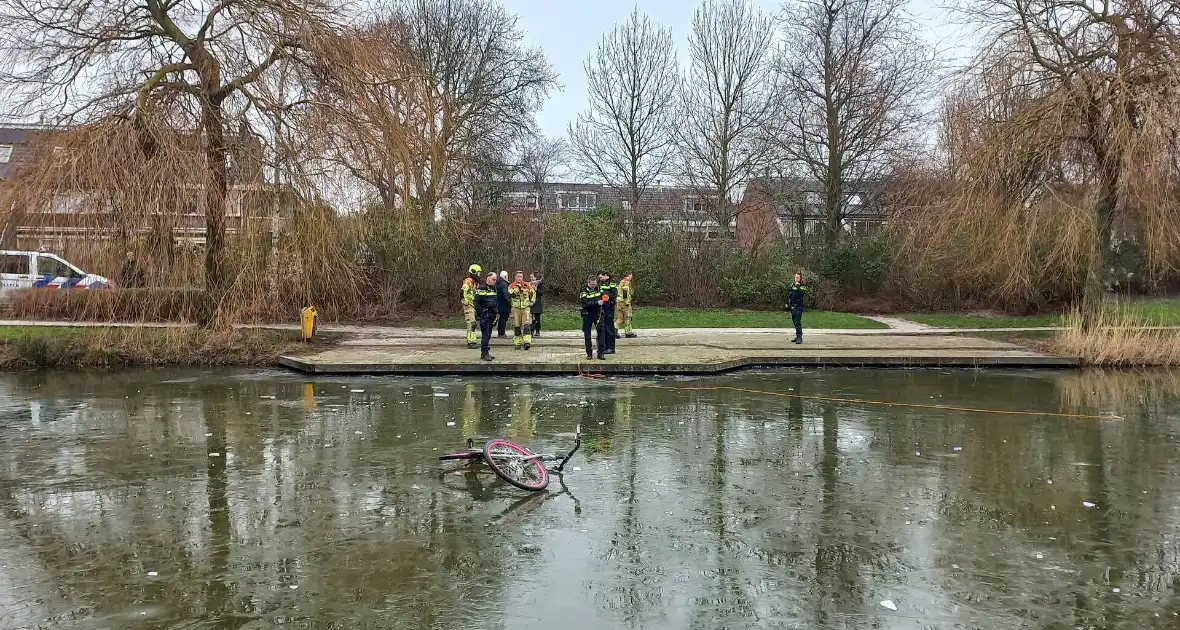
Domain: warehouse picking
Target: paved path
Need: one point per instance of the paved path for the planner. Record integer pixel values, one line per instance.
(899, 324)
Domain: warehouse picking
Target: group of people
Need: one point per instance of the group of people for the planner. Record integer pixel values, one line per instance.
(606, 305)
(491, 301)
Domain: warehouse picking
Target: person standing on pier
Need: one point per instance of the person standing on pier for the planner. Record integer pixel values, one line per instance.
(470, 284)
(522, 296)
(538, 306)
(592, 299)
(795, 298)
(610, 292)
(623, 315)
(503, 304)
(486, 302)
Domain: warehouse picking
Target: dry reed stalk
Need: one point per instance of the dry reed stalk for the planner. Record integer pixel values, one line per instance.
(1118, 337)
(143, 347)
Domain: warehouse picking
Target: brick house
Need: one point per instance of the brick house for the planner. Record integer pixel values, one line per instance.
(790, 209)
(673, 207)
(68, 218)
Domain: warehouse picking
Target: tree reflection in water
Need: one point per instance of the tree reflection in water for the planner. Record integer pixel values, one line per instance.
(690, 509)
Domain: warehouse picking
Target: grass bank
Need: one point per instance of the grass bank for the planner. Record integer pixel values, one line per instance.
(48, 347)
(566, 317)
(1146, 312)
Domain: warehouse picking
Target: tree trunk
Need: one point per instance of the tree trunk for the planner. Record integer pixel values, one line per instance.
(832, 211)
(1098, 276)
(216, 188)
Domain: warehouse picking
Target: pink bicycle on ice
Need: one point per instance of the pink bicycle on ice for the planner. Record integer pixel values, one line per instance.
(516, 464)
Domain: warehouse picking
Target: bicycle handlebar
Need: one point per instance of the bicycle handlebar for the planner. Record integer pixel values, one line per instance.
(577, 445)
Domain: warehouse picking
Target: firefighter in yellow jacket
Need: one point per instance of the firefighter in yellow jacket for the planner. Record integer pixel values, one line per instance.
(623, 314)
(470, 284)
(522, 294)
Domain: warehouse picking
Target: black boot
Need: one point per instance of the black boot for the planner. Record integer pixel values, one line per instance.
(486, 355)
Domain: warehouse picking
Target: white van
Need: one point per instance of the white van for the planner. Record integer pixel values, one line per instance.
(42, 270)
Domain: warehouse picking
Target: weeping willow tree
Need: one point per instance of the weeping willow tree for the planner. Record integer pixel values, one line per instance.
(1060, 147)
(187, 67)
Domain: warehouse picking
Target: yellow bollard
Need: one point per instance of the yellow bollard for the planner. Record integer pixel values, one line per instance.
(309, 317)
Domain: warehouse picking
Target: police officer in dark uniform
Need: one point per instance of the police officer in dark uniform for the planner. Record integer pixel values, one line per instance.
(795, 299)
(610, 289)
(485, 307)
(592, 315)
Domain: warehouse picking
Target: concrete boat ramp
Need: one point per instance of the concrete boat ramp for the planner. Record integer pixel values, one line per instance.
(665, 351)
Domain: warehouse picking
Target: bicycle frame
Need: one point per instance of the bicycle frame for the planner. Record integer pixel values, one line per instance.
(474, 456)
(562, 458)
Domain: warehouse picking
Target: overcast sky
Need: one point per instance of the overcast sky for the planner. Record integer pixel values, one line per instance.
(569, 31)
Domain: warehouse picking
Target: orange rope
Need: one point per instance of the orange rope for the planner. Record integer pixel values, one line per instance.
(862, 401)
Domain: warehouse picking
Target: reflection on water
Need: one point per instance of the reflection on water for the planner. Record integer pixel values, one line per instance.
(258, 499)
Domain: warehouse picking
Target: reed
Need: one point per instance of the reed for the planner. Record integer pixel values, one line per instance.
(1118, 336)
(27, 348)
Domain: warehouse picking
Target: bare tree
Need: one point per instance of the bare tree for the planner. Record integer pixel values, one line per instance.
(624, 138)
(189, 64)
(541, 159)
(854, 75)
(727, 101)
(446, 84)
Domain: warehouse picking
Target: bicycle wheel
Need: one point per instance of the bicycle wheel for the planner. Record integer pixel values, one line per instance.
(473, 454)
(516, 465)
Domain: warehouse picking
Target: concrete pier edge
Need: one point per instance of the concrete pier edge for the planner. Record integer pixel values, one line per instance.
(622, 367)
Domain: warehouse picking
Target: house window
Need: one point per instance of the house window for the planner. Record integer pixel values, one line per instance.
(577, 201)
(812, 199)
(233, 204)
(67, 203)
(190, 203)
(5, 153)
(522, 200)
(697, 204)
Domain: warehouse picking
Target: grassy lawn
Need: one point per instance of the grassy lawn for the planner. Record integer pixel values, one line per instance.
(564, 317)
(955, 320)
(1151, 311)
(1157, 311)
